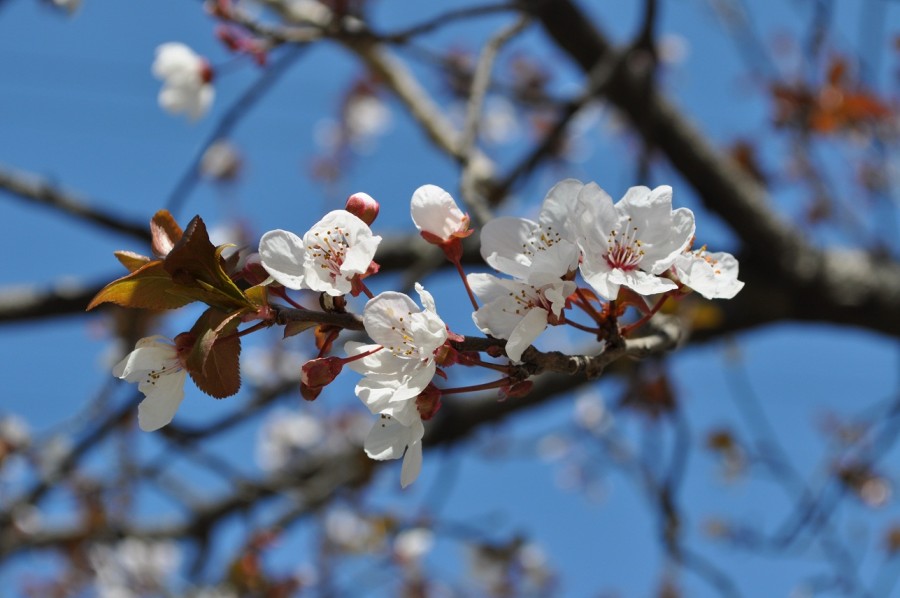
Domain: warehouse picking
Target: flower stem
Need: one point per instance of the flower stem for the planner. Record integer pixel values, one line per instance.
(365, 289)
(282, 292)
(486, 386)
(626, 330)
(582, 327)
(486, 364)
(465, 282)
(585, 304)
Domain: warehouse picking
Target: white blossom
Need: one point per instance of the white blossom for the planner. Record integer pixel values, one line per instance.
(287, 436)
(186, 78)
(517, 311)
(713, 275)
(336, 249)
(132, 567)
(632, 242)
(536, 252)
(390, 439)
(395, 375)
(155, 366)
(412, 544)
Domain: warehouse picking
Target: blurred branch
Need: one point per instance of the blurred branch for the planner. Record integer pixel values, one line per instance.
(31, 302)
(480, 82)
(444, 19)
(40, 191)
(849, 287)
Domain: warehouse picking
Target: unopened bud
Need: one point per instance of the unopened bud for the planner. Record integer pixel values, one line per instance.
(516, 391)
(317, 373)
(363, 206)
(310, 393)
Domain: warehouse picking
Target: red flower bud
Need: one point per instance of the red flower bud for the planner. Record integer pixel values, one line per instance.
(516, 391)
(318, 373)
(428, 402)
(363, 206)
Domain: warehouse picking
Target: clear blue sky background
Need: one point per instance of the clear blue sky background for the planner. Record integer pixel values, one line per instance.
(78, 105)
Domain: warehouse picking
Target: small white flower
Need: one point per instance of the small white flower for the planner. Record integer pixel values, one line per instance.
(186, 78)
(133, 567)
(13, 432)
(397, 374)
(287, 436)
(632, 242)
(536, 252)
(517, 311)
(436, 215)
(412, 544)
(155, 366)
(335, 250)
(713, 275)
(389, 439)
(366, 117)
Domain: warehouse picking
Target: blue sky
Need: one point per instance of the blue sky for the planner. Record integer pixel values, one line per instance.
(78, 105)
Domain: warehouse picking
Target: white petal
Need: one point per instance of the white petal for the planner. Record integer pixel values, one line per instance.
(713, 275)
(142, 360)
(160, 406)
(642, 282)
(387, 439)
(560, 206)
(526, 331)
(381, 317)
(426, 298)
(282, 255)
(596, 273)
(504, 242)
(412, 463)
(433, 210)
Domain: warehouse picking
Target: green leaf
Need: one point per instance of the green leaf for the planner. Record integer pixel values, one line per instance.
(214, 360)
(195, 262)
(148, 287)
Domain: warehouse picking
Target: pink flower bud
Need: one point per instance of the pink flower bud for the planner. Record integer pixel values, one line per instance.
(363, 206)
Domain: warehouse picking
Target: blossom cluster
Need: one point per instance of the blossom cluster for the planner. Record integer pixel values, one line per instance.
(583, 251)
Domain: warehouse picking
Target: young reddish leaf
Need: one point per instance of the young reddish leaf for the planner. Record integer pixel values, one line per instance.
(195, 262)
(148, 287)
(165, 233)
(214, 360)
(131, 260)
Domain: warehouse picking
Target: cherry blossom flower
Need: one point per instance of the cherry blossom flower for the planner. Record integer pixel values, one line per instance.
(536, 252)
(155, 366)
(336, 251)
(389, 439)
(397, 374)
(133, 567)
(632, 242)
(437, 216)
(517, 311)
(713, 275)
(186, 78)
